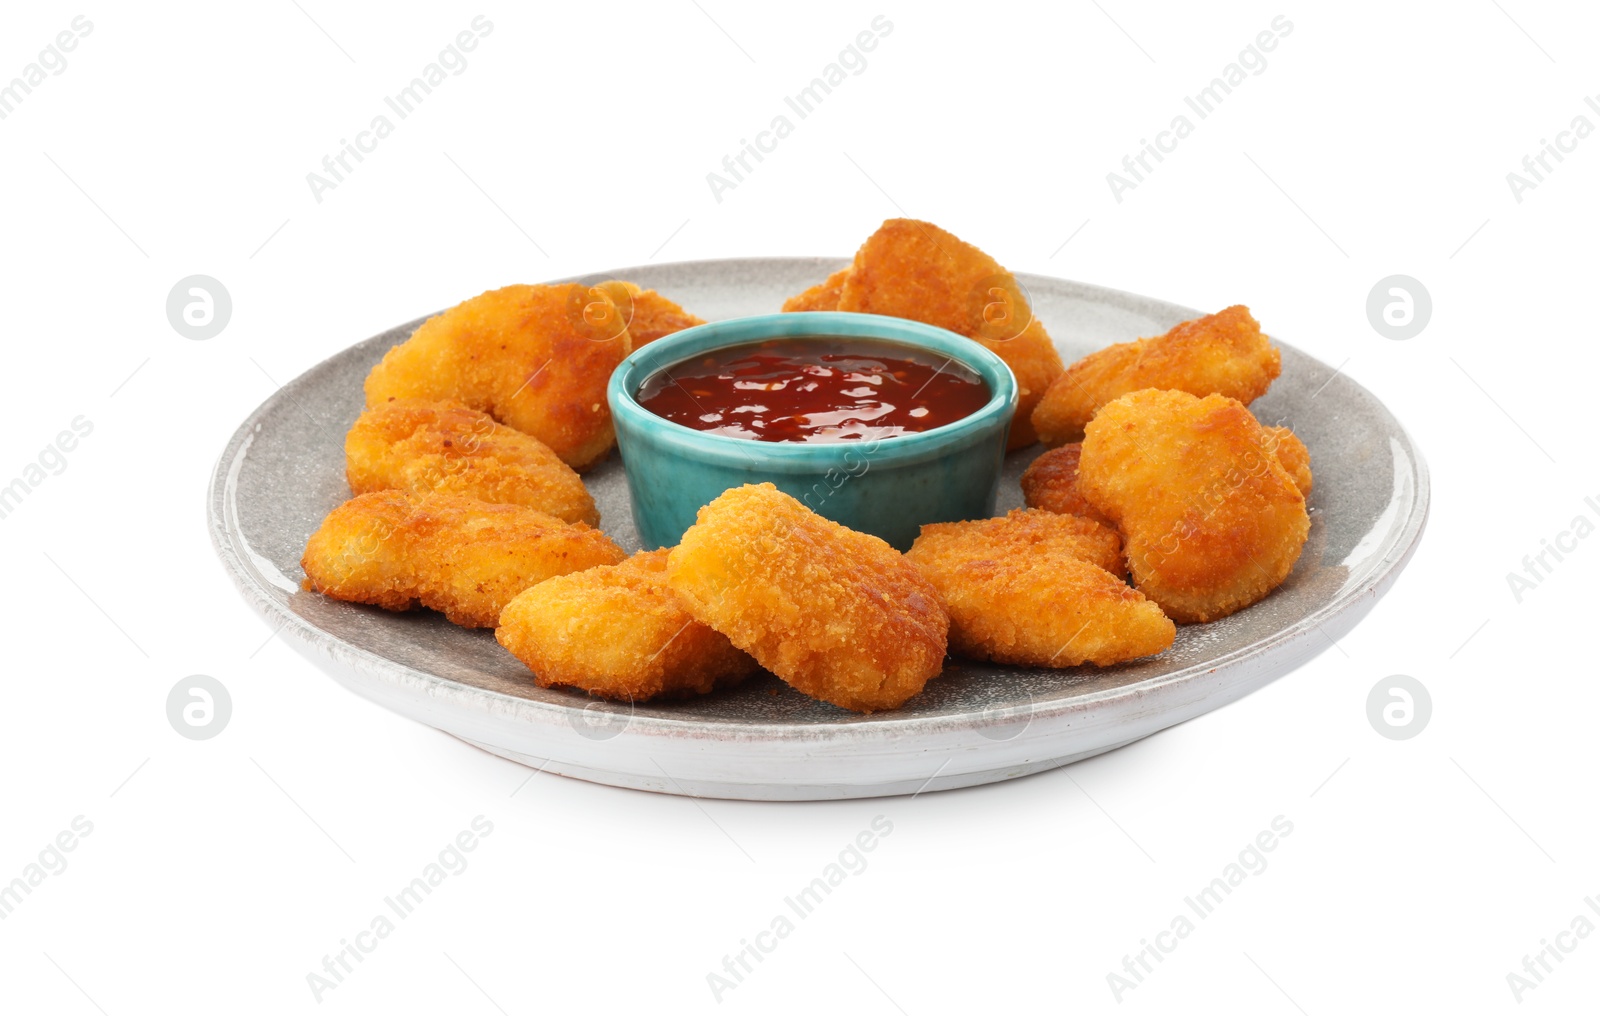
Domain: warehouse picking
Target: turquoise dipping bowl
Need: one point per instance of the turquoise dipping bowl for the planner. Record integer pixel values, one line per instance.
(889, 488)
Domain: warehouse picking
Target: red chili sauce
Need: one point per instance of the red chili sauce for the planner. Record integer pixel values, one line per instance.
(815, 389)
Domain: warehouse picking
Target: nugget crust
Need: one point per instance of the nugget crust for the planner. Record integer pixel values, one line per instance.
(464, 557)
(1051, 482)
(1222, 354)
(618, 631)
(840, 615)
(536, 358)
(649, 314)
(1294, 456)
(1036, 363)
(443, 447)
(1022, 533)
(1037, 589)
(823, 296)
(1211, 521)
(916, 270)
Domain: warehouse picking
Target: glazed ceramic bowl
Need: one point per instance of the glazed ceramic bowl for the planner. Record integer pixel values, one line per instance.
(889, 488)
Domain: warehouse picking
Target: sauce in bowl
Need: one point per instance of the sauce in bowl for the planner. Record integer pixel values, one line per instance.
(815, 389)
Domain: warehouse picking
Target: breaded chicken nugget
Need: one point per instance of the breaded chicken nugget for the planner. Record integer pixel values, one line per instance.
(464, 557)
(1033, 358)
(1211, 521)
(1051, 482)
(618, 631)
(840, 615)
(536, 358)
(1220, 354)
(1036, 589)
(823, 296)
(1293, 454)
(649, 315)
(916, 270)
(446, 448)
(1023, 532)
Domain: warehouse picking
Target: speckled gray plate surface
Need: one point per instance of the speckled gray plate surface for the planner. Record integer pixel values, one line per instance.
(977, 723)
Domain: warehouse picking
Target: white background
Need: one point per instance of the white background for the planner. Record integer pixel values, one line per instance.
(1377, 141)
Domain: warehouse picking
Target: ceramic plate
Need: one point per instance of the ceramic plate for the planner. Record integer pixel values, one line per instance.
(284, 470)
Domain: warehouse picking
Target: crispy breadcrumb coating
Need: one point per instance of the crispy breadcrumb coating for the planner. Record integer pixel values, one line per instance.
(838, 614)
(823, 296)
(1223, 354)
(1211, 521)
(1034, 360)
(618, 631)
(1024, 532)
(1037, 589)
(536, 358)
(916, 270)
(444, 447)
(1293, 454)
(464, 557)
(649, 314)
(1051, 482)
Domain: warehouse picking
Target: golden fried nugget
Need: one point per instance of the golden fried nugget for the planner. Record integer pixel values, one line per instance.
(618, 631)
(649, 314)
(1219, 354)
(1211, 521)
(1051, 482)
(838, 614)
(1036, 363)
(1293, 454)
(464, 557)
(1023, 532)
(1037, 589)
(536, 358)
(823, 296)
(916, 270)
(446, 448)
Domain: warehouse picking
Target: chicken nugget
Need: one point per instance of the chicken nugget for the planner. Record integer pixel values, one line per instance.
(1293, 454)
(649, 315)
(916, 270)
(1023, 532)
(1211, 521)
(838, 614)
(1051, 482)
(1036, 363)
(464, 557)
(536, 358)
(618, 631)
(1219, 354)
(823, 296)
(1037, 589)
(446, 448)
